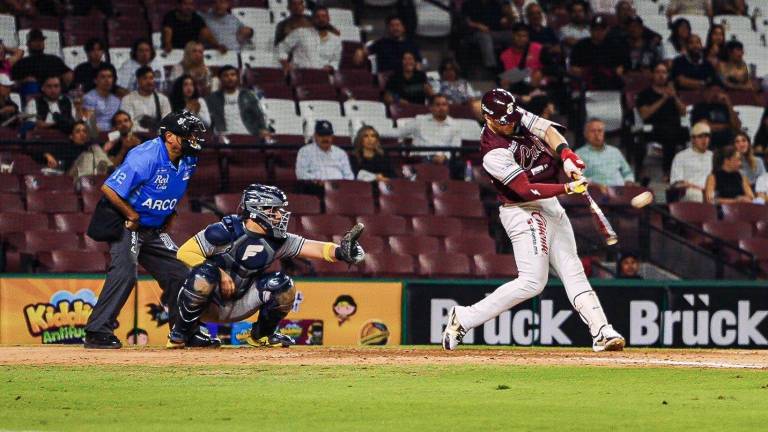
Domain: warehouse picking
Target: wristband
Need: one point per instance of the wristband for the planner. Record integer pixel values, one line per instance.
(561, 147)
(327, 255)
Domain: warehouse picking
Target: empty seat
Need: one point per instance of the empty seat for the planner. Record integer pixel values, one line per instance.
(258, 58)
(361, 93)
(309, 77)
(431, 172)
(216, 58)
(745, 212)
(48, 183)
(96, 246)
(71, 222)
(277, 107)
(399, 111)
(433, 21)
(353, 78)
(304, 204)
(320, 109)
(11, 202)
(349, 187)
(206, 181)
(403, 188)
(757, 246)
(383, 225)
(371, 244)
(470, 244)
(9, 183)
(19, 163)
(348, 205)
(74, 261)
(730, 233)
(227, 203)
(277, 90)
(187, 225)
(443, 264)
(693, 213)
(90, 183)
(383, 125)
(397, 206)
(495, 266)
(414, 245)
(240, 176)
(47, 240)
(455, 188)
(52, 202)
(365, 109)
(459, 206)
(327, 225)
(387, 264)
(761, 229)
(440, 226)
(260, 76)
(18, 222)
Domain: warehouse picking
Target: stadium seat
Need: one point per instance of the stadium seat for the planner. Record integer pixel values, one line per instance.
(320, 109)
(8, 31)
(399, 111)
(365, 109)
(388, 264)
(47, 135)
(254, 58)
(90, 199)
(186, 225)
(396, 206)
(605, 105)
(255, 18)
(455, 188)
(353, 78)
(439, 226)
(740, 28)
(47, 240)
(444, 265)
(95, 246)
(431, 172)
(71, 261)
(90, 183)
(227, 203)
(52, 202)
(403, 188)
(414, 245)
(260, 75)
(302, 204)
(348, 187)
(349, 33)
(206, 181)
(309, 77)
(279, 107)
(745, 212)
(361, 93)
(470, 129)
(240, 176)
(9, 183)
(761, 229)
(71, 222)
(383, 225)
(470, 244)
(171, 58)
(11, 202)
(370, 243)
(693, 213)
(459, 206)
(622, 195)
(383, 125)
(728, 232)
(215, 58)
(18, 222)
(19, 163)
(348, 205)
(495, 266)
(60, 183)
(326, 224)
(757, 246)
(73, 55)
(433, 21)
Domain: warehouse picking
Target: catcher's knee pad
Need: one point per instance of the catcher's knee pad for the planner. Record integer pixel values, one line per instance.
(195, 295)
(203, 279)
(282, 291)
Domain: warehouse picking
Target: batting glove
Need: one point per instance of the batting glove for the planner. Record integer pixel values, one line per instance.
(572, 163)
(576, 187)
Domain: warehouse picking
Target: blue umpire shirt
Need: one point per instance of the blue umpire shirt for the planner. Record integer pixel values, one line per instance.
(151, 183)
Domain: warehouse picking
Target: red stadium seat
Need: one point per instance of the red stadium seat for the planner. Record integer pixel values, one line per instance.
(69, 261)
(761, 229)
(9, 183)
(745, 212)
(187, 225)
(328, 225)
(47, 240)
(461, 111)
(227, 203)
(48, 183)
(349, 187)
(622, 195)
(240, 176)
(440, 226)
(363, 93)
(303, 77)
(757, 246)
(407, 111)
(316, 92)
(447, 265)
(694, 213)
(455, 188)
(459, 206)
(387, 264)
(259, 76)
(90, 183)
(18, 222)
(353, 77)
(21, 163)
(53, 202)
(383, 225)
(403, 187)
(371, 244)
(96, 246)
(431, 172)
(206, 181)
(349, 205)
(495, 266)
(72, 222)
(404, 207)
(50, 135)
(302, 204)
(731, 233)
(414, 245)
(276, 91)
(90, 199)
(470, 244)
(11, 202)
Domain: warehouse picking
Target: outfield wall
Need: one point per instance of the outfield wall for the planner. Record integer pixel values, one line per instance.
(37, 309)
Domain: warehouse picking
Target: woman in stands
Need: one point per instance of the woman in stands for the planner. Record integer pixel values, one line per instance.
(714, 50)
(734, 72)
(726, 184)
(193, 64)
(678, 40)
(184, 96)
(369, 162)
(408, 85)
(458, 90)
(751, 167)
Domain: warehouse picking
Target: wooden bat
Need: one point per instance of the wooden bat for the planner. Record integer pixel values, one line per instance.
(603, 225)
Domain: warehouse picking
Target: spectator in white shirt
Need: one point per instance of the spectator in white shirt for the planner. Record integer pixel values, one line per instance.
(691, 166)
(226, 28)
(234, 110)
(312, 47)
(689, 7)
(761, 187)
(436, 129)
(142, 54)
(321, 160)
(145, 105)
(578, 27)
(605, 6)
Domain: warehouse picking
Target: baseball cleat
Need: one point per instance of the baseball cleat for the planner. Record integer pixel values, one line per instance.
(274, 340)
(454, 332)
(101, 341)
(608, 339)
(200, 339)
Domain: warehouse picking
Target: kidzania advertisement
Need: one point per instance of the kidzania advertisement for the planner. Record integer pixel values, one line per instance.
(675, 314)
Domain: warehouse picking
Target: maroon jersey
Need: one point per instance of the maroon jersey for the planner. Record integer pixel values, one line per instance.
(525, 153)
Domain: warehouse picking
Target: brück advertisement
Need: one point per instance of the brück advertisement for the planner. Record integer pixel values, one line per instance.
(652, 315)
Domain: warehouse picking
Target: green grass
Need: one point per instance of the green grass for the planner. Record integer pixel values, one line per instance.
(382, 398)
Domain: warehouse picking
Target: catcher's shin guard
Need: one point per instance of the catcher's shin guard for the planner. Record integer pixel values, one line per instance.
(282, 294)
(193, 298)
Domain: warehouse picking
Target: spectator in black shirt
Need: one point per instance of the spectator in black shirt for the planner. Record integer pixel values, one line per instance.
(8, 107)
(38, 66)
(389, 49)
(52, 109)
(641, 54)
(488, 23)
(118, 147)
(717, 111)
(408, 85)
(660, 107)
(62, 156)
(85, 73)
(596, 60)
(539, 32)
(726, 184)
(183, 25)
(691, 71)
(369, 162)
(626, 16)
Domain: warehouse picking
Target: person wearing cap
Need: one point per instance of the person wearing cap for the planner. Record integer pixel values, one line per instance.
(320, 159)
(691, 166)
(8, 107)
(235, 110)
(596, 60)
(143, 193)
(38, 65)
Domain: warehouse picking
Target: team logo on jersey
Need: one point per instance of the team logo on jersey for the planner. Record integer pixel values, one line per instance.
(161, 181)
(510, 108)
(251, 251)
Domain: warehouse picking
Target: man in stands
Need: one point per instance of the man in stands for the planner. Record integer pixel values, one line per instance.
(225, 27)
(578, 25)
(38, 66)
(606, 166)
(99, 104)
(85, 73)
(488, 23)
(389, 50)
(717, 110)
(436, 129)
(183, 25)
(692, 71)
(235, 110)
(142, 54)
(117, 148)
(691, 166)
(145, 104)
(320, 159)
(316, 47)
(596, 60)
(52, 109)
(296, 20)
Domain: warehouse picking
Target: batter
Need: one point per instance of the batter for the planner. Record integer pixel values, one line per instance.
(518, 153)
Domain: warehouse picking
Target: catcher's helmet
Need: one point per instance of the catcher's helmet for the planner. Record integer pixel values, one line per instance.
(267, 206)
(501, 106)
(187, 126)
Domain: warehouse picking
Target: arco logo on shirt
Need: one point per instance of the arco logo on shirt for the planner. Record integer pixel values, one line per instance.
(159, 204)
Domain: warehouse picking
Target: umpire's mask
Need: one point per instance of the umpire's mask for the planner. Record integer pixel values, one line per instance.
(186, 126)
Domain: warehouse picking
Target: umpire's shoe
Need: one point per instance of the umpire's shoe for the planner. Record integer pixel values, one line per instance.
(274, 340)
(101, 341)
(200, 339)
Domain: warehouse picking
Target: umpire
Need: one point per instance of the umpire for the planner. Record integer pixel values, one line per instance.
(139, 203)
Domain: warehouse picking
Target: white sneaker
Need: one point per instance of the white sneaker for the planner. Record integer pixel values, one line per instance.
(608, 340)
(453, 333)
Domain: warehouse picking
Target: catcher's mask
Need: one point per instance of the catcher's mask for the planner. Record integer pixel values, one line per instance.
(267, 206)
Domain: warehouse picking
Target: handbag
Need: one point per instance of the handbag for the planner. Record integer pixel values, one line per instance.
(107, 223)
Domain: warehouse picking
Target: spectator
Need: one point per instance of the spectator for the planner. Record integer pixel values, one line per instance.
(603, 6)
(642, 54)
(235, 110)
(597, 61)
(193, 64)
(734, 72)
(522, 55)
(691, 71)
(7, 61)
(99, 104)
(627, 17)
(660, 106)
(729, 7)
(539, 32)
(715, 48)
(119, 146)
(145, 105)
(369, 162)
(8, 108)
(436, 129)
(85, 73)
(488, 22)
(389, 50)
(51, 109)
(315, 47)
(408, 85)
(751, 167)
(458, 91)
(606, 165)
(532, 94)
(296, 19)
(689, 7)
(183, 25)
(578, 25)
(62, 157)
(38, 66)
(691, 166)
(628, 266)
(677, 42)
(321, 160)
(517, 10)
(761, 187)
(717, 111)
(184, 96)
(142, 54)
(225, 27)
(726, 184)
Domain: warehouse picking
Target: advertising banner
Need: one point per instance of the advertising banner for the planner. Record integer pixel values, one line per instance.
(648, 314)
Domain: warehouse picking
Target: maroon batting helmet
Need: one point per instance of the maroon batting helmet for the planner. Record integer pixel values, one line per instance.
(501, 106)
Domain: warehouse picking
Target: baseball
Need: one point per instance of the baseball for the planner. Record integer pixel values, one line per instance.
(642, 200)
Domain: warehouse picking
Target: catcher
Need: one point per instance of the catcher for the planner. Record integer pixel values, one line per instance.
(227, 281)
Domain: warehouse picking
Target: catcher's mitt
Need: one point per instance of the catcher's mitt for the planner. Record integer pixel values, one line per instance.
(350, 250)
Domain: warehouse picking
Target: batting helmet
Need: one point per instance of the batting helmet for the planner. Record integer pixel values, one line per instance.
(501, 106)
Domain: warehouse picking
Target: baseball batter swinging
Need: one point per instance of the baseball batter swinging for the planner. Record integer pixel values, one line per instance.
(518, 151)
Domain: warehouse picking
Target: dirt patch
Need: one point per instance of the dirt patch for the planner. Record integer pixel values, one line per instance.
(75, 355)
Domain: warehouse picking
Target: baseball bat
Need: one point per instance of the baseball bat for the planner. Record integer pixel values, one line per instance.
(603, 225)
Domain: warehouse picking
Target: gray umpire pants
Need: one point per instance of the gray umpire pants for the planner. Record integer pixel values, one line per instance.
(156, 252)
